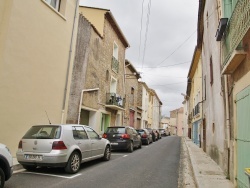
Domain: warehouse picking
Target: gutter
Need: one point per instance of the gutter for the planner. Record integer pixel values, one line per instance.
(80, 104)
(70, 52)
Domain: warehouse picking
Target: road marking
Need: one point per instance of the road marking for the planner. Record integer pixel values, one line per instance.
(17, 171)
(71, 177)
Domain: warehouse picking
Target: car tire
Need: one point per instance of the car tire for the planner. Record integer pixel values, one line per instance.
(131, 147)
(140, 144)
(2, 178)
(107, 153)
(74, 163)
(29, 167)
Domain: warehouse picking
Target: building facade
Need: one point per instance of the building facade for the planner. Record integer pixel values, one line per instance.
(98, 86)
(194, 96)
(36, 60)
(132, 116)
(143, 103)
(235, 63)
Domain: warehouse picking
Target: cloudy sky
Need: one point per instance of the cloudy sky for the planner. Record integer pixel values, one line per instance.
(162, 37)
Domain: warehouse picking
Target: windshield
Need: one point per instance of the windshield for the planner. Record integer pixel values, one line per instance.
(43, 132)
(115, 130)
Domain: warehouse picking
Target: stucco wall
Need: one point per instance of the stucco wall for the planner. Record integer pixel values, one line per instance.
(34, 53)
(213, 106)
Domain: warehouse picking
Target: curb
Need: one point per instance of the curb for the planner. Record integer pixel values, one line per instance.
(192, 164)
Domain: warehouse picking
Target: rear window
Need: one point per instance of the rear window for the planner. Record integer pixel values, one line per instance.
(117, 130)
(140, 131)
(43, 132)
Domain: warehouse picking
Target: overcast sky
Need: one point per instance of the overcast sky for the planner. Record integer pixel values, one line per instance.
(162, 37)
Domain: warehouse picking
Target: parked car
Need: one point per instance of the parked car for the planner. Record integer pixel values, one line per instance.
(153, 133)
(146, 137)
(6, 164)
(158, 134)
(64, 146)
(123, 138)
(162, 132)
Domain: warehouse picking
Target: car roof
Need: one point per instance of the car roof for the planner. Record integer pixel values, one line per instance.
(63, 125)
(119, 127)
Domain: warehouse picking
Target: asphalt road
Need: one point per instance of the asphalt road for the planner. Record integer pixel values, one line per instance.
(154, 166)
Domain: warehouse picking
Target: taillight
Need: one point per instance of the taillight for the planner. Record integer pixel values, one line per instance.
(58, 145)
(105, 135)
(144, 136)
(20, 145)
(125, 136)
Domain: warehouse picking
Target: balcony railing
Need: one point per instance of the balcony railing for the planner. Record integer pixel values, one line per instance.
(196, 110)
(115, 64)
(115, 101)
(237, 27)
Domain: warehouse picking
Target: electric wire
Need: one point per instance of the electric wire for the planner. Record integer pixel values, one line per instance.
(146, 32)
(140, 32)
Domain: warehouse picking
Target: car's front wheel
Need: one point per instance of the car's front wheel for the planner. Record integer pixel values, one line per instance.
(74, 163)
(107, 153)
(2, 178)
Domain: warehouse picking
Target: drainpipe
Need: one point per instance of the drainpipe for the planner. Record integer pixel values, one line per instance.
(124, 92)
(80, 104)
(70, 52)
(227, 123)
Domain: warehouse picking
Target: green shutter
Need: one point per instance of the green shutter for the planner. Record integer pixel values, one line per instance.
(243, 136)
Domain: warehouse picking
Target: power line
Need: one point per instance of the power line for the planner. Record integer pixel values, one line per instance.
(176, 49)
(140, 31)
(166, 65)
(146, 33)
(170, 84)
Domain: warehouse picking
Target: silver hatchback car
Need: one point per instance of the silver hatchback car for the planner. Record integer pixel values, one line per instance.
(64, 146)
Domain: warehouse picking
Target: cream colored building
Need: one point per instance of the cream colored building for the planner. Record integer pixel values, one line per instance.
(176, 122)
(143, 102)
(156, 111)
(36, 55)
(194, 96)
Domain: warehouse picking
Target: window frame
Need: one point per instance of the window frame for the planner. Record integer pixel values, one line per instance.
(57, 4)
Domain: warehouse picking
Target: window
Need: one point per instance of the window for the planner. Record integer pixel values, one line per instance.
(132, 90)
(205, 89)
(43, 132)
(115, 51)
(211, 71)
(92, 134)
(207, 19)
(79, 133)
(113, 85)
(54, 3)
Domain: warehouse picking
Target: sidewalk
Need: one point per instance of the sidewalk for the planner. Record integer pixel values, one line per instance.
(207, 173)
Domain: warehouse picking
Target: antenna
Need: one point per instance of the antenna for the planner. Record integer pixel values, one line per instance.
(48, 117)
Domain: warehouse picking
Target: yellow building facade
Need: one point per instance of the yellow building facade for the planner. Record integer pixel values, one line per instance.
(36, 55)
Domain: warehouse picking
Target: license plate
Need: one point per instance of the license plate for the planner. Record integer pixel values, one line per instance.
(33, 157)
(112, 143)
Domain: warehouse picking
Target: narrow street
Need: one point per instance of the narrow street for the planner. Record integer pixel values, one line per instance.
(155, 165)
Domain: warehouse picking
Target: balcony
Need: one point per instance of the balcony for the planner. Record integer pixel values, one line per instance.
(238, 26)
(235, 60)
(115, 101)
(196, 110)
(115, 65)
